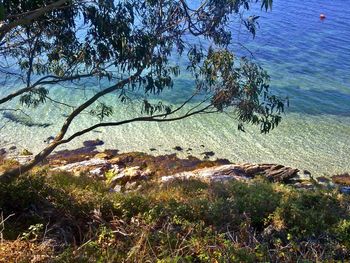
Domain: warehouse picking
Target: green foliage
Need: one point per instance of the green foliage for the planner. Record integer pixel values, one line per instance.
(185, 221)
(308, 214)
(244, 87)
(33, 232)
(106, 41)
(342, 231)
(151, 109)
(2, 11)
(26, 152)
(256, 201)
(40, 197)
(267, 4)
(35, 97)
(102, 111)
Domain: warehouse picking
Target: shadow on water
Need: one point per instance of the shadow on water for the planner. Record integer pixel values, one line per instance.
(23, 119)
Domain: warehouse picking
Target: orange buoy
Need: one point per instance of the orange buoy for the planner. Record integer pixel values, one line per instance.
(322, 16)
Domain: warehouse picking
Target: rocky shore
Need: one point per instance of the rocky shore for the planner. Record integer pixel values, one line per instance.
(126, 171)
(80, 203)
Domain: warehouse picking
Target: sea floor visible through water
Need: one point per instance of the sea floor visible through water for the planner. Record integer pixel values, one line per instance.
(308, 60)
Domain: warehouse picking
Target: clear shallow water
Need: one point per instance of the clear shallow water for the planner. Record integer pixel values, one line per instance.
(308, 60)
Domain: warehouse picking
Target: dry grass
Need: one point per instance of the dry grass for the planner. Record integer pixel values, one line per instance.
(25, 251)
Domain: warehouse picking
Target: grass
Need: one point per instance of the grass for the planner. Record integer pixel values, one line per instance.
(59, 217)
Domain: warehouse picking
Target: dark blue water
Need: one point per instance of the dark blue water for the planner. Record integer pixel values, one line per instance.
(307, 58)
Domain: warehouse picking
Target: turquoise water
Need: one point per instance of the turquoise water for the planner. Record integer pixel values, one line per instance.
(308, 60)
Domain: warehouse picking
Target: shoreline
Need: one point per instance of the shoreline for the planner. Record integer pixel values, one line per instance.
(90, 161)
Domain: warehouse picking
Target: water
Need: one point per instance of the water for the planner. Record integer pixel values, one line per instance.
(308, 60)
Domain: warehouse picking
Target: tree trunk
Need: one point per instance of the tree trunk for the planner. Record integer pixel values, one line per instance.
(10, 175)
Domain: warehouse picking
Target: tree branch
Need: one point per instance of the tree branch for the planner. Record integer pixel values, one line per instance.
(30, 16)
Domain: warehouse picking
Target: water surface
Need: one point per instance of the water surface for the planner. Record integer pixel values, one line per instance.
(308, 60)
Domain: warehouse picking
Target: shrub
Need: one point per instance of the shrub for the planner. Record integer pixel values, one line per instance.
(308, 214)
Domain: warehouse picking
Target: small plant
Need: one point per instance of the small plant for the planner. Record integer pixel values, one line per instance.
(109, 176)
(26, 152)
(33, 232)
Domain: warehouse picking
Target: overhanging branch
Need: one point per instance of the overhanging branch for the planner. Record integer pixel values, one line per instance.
(27, 18)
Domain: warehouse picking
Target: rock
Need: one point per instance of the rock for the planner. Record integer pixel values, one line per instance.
(130, 186)
(252, 169)
(115, 169)
(323, 180)
(342, 179)
(129, 175)
(95, 165)
(2, 151)
(12, 148)
(122, 161)
(306, 172)
(133, 173)
(280, 173)
(178, 148)
(116, 189)
(243, 172)
(93, 143)
(209, 154)
(343, 182)
(23, 159)
(345, 190)
(214, 174)
(25, 152)
(119, 179)
(146, 174)
(49, 139)
(99, 171)
(304, 185)
(103, 155)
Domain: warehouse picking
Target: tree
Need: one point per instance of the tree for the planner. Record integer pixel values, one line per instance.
(127, 46)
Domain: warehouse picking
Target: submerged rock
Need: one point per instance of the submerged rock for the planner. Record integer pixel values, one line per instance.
(93, 143)
(48, 140)
(178, 148)
(23, 119)
(13, 148)
(208, 154)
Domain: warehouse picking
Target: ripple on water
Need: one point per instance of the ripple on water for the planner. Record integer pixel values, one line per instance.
(308, 60)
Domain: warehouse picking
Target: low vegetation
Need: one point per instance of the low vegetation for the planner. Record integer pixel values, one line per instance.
(57, 217)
